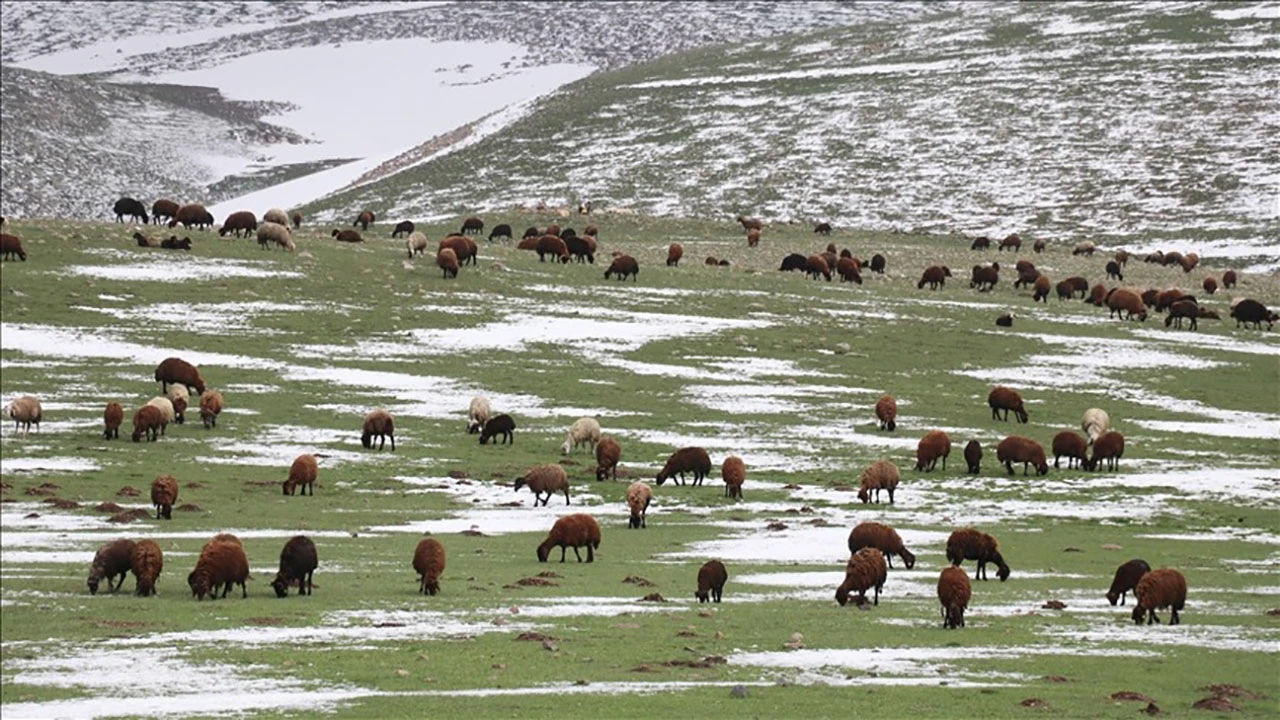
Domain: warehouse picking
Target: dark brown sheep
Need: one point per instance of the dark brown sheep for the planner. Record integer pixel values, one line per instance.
(877, 264)
(192, 215)
(240, 223)
(1171, 258)
(112, 418)
(934, 445)
(639, 495)
(302, 472)
(711, 260)
(1012, 242)
(753, 238)
(464, 247)
(297, 220)
(1251, 311)
(1121, 257)
(146, 562)
(734, 472)
(822, 228)
(210, 408)
(589, 231)
(221, 563)
(572, 531)
(970, 544)
(1079, 284)
(447, 260)
(10, 246)
(1126, 579)
(165, 209)
(865, 571)
(981, 243)
(1016, 448)
(1157, 589)
(428, 562)
(545, 479)
(1109, 447)
(1183, 309)
(711, 579)
(954, 592)
(847, 268)
(879, 475)
(1189, 262)
(984, 278)
(883, 538)
(1156, 257)
(1005, 320)
(690, 459)
(1229, 279)
(1040, 291)
(1039, 245)
(674, 252)
(364, 220)
(147, 421)
(173, 243)
(1027, 274)
(973, 456)
(887, 412)
(554, 246)
(794, 261)
(622, 266)
(816, 266)
(830, 258)
(176, 370)
(164, 493)
(347, 236)
(1072, 445)
(935, 276)
(608, 453)
(472, 226)
(1065, 290)
(1097, 295)
(378, 425)
(136, 211)
(504, 231)
(750, 223)
(1006, 399)
(404, 227)
(581, 248)
(298, 563)
(1210, 286)
(503, 425)
(114, 558)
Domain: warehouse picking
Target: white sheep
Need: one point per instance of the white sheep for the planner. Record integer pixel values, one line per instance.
(585, 430)
(416, 243)
(270, 232)
(479, 414)
(277, 216)
(181, 399)
(25, 412)
(165, 406)
(1095, 423)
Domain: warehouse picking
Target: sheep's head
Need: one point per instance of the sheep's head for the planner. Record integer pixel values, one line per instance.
(431, 587)
(366, 439)
(137, 434)
(288, 486)
(842, 596)
(634, 522)
(1003, 569)
(864, 495)
(702, 595)
(1042, 468)
(280, 585)
(95, 577)
(544, 550)
(520, 482)
(661, 478)
(564, 449)
(1113, 597)
(1138, 612)
(908, 558)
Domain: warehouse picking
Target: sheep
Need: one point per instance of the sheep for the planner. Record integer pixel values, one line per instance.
(275, 233)
(531, 232)
(1183, 309)
(364, 220)
(1171, 258)
(112, 418)
(973, 456)
(380, 425)
(223, 564)
(165, 406)
(504, 231)
(297, 220)
(1078, 284)
(750, 223)
(1040, 290)
(25, 412)
(1189, 262)
(847, 268)
(111, 560)
(1113, 271)
(1016, 448)
(1006, 399)
(428, 563)
(447, 261)
(1097, 295)
(298, 563)
(935, 444)
(349, 236)
(753, 238)
(1207, 314)
(478, 414)
(590, 231)
(816, 265)
(11, 245)
(865, 571)
(164, 493)
(192, 215)
(688, 459)
(549, 479)
(581, 249)
(473, 226)
(879, 475)
(416, 244)
(1150, 297)
(887, 412)
(180, 398)
(210, 407)
(1165, 298)
(146, 562)
(1039, 245)
(1126, 579)
(241, 222)
(622, 266)
(1155, 257)
(830, 258)
(302, 472)
(567, 233)
(734, 472)
(572, 531)
(1157, 589)
(1210, 285)
(970, 544)
(1065, 290)
(277, 216)
(794, 261)
(639, 495)
(1027, 274)
(711, 579)
(954, 592)
(1121, 257)
(877, 264)
(1073, 446)
(1109, 447)
(1229, 279)
(1005, 320)
(554, 246)
(1012, 241)
(608, 452)
(583, 431)
(883, 538)
(163, 208)
(984, 278)
(822, 228)
(503, 425)
(404, 227)
(711, 260)
(981, 243)
(674, 252)
(176, 370)
(132, 208)
(173, 243)
(1094, 423)
(1084, 247)
(935, 276)
(147, 421)
(465, 248)
(1251, 311)
(552, 229)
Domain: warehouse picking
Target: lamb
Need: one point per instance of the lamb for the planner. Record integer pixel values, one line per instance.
(584, 431)
(472, 225)
(504, 231)
(173, 243)
(349, 236)
(935, 444)
(1094, 423)
(303, 473)
(847, 268)
(164, 493)
(1016, 448)
(210, 407)
(167, 413)
(822, 228)
(180, 398)
(883, 538)
(879, 475)
(935, 276)
(572, 531)
(750, 223)
(1012, 241)
(277, 216)
(711, 579)
(276, 233)
(378, 424)
(794, 261)
(1229, 279)
(985, 278)
(1073, 446)
(1189, 262)
(25, 412)
(674, 252)
(554, 246)
(865, 571)
(1005, 320)
(429, 562)
(1210, 285)
(970, 544)
(734, 473)
(1109, 447)
(464, 247)
(1113, 271)
(753, 238)
(447, 261)
(242, 222)
(973, 456)
(877, 264)
(192, 215)
(1040, 291)
(503, 425)
(887, 412)
(549, 479)
(1251, 311)
(297, 220)
(112, 559)
(1039, 245)
(176, 370)
(298, 563)
(146, 562)
(711, 260)
(416, 244)
(954, 592)
(639, 495)
(816, 265)
(622, 266)
(1157, 589)
(223, 564)
(981, 243)
(1183, 309)
(688, 459)
(163, 208)
(608, 452)
(404, 227)
(11, 245)
(1126, 579)
(112, 418)
(147, 421)
(1006, 399)
(478, 414)
(132, 208)
(1084, 247)
(1097, 295)
(364, 220)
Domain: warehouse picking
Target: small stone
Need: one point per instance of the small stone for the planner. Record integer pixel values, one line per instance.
(738, 691)
(548, 645)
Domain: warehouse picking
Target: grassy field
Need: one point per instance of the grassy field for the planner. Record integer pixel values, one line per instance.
(744, 360)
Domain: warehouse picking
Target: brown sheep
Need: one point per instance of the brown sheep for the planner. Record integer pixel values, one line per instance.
(297, 220)
(112, 418)
(210, 408)
(178, 371)
(554, 246)
(753, 237)
(447, 260)
(689, 459)
(1157, 589)
(347, 236)
(822, 228)
(1249, 311)
(815, 266)
(883, 538)
(11, 245)
(1071, 444)
(608, 453)
(1012, 241)
(711, 260)
(1040, 291)
(1172, 258)
(935, 444)
(164, 493)
(364, 220)
(1005, 320)
(879, 475)
(973, 456)
(1168, 297)
(887, 412)
(549, 479)
(1097, 295)
(242, 222)
(1183, 309)
(935, 276)
(146, 562)
(1150, 297)
(865, 571)
(734, 472)
(981, 243)
(877, 264)
(1039, 245)
(970, 544)
(428, 562)
(147, 421)
(1006, 399)
(622, 266)
(1126, 579)
(847, 268)
(1121, 257)
(1016, 448)
(984, 278)
(163, 208)
(379, 425)
(298, 563)
(192, 214)
(750, 223)
(464, 247)
(222, 564)
(590, 231)
(639, 495)
(954, 592)
(112, 559)
(1189, 262)
(1155, 257)
(472, 226)
(711, 579)
(830, 258)
(1027, 274)
(1079, 284)
(302, 472)
(572, 531)
(1210, 285)
(1229, 279)
(1109, 447)
(584, 249)
(503, 425)
(674, 253)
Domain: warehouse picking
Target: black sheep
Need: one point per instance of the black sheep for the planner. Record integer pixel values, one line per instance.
(497, 425)
(133, 208)
(500, 231)
(404, 227)
(794, 261)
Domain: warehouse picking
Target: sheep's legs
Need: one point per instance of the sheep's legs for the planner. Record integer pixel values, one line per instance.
(1174, 620)
(578, 554)
(591, 555)
(566, 496)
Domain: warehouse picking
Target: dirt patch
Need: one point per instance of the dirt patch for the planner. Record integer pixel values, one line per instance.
(266, 621)
(1131, 695)
(637, 580)
(536, 582)
(196, 485)
(1151, 709)
(459, 474)
(472, 533)
(1274, 612)
(108, 506)
(1216, 704)
(550, 574)
(128, 491)
(63, 503)
(653, 597)
(645, 668)
(189, 507)
(1034, 703)
(534, 637)
(129, 516)
(513, 503)
(775, 526)
(1054, 605)
(686, 633)
(263, 483)
(1056, 679)
(40, 491)
(1232, 691)
(117, 624)
(706, 662)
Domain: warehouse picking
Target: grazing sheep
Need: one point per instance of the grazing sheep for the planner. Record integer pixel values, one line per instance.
(549, 479)
(1171, 258)
(1251, 311)
(302, 472)
(1108, 447)
(504, 231)
(887, 412)
(829, 257)
(1005, 320)
(1006, 399)
(167, 413)
(1012, 241)
(1039, 245)
(297, 220)
(1121, 257)
(277, 216)
(180, 398)
(404, 227)
(1027, 274)
(1183, 309)
(711, 579)
(1156, 257)
(935, 444)
(164, 493)
(379, 425)
(1158, 589)
(1040, 291)
(364, 220)
(348, 236)
(1073, 446)
(580, 248)
(847, 268)
(981, 243)
(711, 260)
(1210, 285)
(147, 421)
(298, 563)
(25, 412)
(973, 456)
(750, 223)
(210, 407)
(584, 431)
(590, 231)
(192, 215)
(1113, 271)
(734, 472)
(883, 538)
(429, 562)
(176, 370)
(276, 233)
(622, 266)
(984, 278)
(1085, 247)
(572, 531)
(447, 261)
(954, 592)
(1097, 295)
(816, 265)
(531, 233)
(1189, 262)
(163, 208)
(146, 562)
(112, 418)
(1229, 279)
(132, 208)
(242, 222)
(552, 229)
(674, 252)
(221, 563)
(464, 247)
(639, 495)
(608, 453)
(1165, 298)
(472, 226)
(1077, 284)
(688, 459)
(970, 544)
(503, 425)
(935, 276)
(879, 475)
(794, 261)
(416, 244)
(554, 246)
(478, 414)
(865, 571)
(1094, 423)
(822, 228)
(1126, 579)
(11, 245)
(877, 264)
(112, 559)
(1016, 448)
(753, 238)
